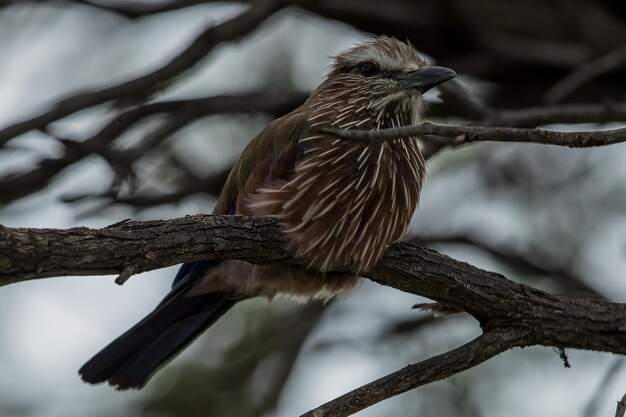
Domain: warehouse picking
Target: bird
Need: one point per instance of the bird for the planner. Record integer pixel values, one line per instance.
(340, 203)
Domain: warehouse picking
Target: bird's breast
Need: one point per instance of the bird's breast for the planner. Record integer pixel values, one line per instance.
(345, 202)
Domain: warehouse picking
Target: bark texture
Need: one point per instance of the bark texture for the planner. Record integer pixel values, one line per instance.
(133, 247)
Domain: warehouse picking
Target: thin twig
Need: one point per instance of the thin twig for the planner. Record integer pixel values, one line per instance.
(621, 407)
(563, 355)
(468, 134)
(116, 224)
(604, 64)
(124, 275)
(434, 369)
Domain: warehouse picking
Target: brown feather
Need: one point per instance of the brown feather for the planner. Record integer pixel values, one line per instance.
(341, 203)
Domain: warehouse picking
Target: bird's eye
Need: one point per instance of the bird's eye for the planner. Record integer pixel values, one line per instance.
(367, 69)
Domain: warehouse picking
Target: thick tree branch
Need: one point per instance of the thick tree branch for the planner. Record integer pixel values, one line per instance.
(468, 134)
(510, 314)
(141, 246)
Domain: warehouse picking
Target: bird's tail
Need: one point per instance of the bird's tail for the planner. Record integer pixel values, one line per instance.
(131, 359)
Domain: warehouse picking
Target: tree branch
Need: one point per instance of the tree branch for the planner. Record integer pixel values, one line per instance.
(434, 369)
(209, 184)
(137, 10)
(17, 185)
(510, 314)
(582, 74)
(141, 246)
(146, 84)
(468, 134)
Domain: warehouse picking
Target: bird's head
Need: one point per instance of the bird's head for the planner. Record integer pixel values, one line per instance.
(376, 84)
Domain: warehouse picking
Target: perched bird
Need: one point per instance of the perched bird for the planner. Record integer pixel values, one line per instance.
(341, 204)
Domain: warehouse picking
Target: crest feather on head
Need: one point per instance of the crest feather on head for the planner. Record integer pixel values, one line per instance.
(388, 52)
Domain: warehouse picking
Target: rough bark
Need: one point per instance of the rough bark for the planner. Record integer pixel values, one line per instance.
(133, 247)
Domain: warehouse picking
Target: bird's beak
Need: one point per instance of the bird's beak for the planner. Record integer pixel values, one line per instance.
(425, 78)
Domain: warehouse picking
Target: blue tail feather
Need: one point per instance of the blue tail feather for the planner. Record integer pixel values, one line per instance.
(131, 359)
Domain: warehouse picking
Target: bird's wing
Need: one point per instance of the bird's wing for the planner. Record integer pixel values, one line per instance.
(270, 156)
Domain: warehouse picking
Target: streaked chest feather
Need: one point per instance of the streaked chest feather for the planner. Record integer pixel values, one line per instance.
(345, 202)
